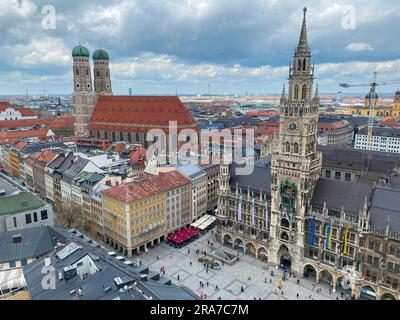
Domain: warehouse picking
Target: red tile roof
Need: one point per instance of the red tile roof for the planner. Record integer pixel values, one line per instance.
(4, 106)
(51, 122)
(260, 113)
(122, 112)
(11, 136)
(147, 186)
(25, 112)
(333, 125)
(43, 158)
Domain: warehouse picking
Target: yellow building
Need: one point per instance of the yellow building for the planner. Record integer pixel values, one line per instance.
(396, 105)
(378, 111)
(135, 214)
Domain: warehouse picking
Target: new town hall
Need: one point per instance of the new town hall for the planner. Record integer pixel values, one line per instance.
(326, 213)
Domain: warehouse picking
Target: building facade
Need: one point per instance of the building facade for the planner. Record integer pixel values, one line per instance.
(135, 214)
(85, 95)
(315, 211)
(383, 140)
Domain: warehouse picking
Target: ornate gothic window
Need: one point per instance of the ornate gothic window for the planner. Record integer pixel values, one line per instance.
(97, 73)
(77, 71)
(304, 64)
(299, 65)
(296, 92)
(303, 92)
(296, 148)
(287, 147)
(288, 194)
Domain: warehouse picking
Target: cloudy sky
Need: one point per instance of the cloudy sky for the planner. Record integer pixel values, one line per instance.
(164, 46)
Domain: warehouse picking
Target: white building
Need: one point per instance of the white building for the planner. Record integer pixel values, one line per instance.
(383, 140)
(7, 112)
(198, 177)
(20, 209)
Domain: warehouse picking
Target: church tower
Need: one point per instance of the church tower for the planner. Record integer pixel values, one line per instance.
(102, 79)
(83, 98)
(296, 164)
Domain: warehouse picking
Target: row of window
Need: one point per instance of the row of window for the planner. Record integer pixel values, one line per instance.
(13, 264)
(338, 175)
(29, 217)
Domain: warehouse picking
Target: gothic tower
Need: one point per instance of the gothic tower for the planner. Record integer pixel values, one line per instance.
(296, 164)
(83, 98)
(102, 79)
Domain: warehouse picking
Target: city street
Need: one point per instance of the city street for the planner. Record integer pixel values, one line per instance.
(248, 273)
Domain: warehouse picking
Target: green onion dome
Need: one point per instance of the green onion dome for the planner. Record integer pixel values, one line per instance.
(80, 51)
(100, 54)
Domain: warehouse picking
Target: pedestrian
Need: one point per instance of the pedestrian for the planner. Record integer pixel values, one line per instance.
(208, 241)
(190, 263)
(207, 284)
(265, 280)
(178, 278)
(298, 281)
(205, 296)
(216, 288)
(241, 289)
(270, 280)
(297, 295)
(341, 295)
(337, 298)
(157, 257)
(188, 251)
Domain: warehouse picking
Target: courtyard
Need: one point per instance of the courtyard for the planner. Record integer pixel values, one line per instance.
(247, 279)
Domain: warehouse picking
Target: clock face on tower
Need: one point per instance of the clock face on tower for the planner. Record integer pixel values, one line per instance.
(292, 127)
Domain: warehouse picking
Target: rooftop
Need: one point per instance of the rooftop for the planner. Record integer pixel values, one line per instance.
(258, 180)
(35, 242)
(139, 110)
(383, 132)
(386, 205)
(148, 185)
(95, 275)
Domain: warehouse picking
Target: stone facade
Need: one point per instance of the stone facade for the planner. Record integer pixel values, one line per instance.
(274, 212)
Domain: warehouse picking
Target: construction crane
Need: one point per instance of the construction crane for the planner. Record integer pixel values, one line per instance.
(372, 99)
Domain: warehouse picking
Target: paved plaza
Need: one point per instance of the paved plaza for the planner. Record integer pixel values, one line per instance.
(248, 273)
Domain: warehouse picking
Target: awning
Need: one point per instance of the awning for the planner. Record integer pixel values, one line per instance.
(207, 223)
(12, 279)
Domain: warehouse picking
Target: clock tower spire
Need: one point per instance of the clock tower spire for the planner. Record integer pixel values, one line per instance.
(296, 164)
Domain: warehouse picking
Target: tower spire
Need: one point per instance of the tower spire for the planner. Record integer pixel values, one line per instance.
(303, 43)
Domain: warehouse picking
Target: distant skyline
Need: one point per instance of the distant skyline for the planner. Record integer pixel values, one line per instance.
(164, 47)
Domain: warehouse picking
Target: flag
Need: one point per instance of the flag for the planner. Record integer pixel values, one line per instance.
(312, 237)
(346, 235)
(252, 212)
(240, 208)
(266, 215)
(328, 243)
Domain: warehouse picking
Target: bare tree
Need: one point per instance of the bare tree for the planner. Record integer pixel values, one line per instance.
(70, 215)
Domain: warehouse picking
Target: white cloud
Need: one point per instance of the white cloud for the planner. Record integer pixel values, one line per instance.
(359, 46)
(20, 8)
(41, 51)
